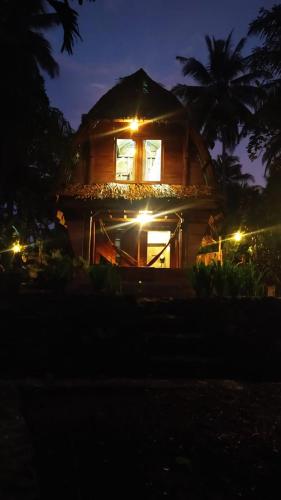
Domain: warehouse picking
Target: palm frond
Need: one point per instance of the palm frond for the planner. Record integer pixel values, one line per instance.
(193, 67)
(68, 20)
(41, 50)
(239, 47)
(44, 21)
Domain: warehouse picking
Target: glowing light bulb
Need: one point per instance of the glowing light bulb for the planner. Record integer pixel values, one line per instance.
(17, 248)
(134, 125)
(237, 236)
(144, 217)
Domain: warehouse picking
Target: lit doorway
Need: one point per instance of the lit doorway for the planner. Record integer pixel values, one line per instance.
(156, 240)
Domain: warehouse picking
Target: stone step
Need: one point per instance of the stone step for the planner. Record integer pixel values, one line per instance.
(155, 282)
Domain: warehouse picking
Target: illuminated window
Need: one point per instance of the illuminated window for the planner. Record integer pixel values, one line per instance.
(152, 160)
(125, 159)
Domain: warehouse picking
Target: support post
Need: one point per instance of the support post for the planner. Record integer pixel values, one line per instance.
(220, 251)
(139, 248)
(90, 240)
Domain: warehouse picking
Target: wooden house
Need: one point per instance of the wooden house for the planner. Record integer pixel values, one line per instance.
(143, 189)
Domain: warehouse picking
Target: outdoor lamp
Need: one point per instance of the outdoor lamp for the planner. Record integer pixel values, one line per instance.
(144, 217)
(238, 236)
(134, 125)
(17, 247)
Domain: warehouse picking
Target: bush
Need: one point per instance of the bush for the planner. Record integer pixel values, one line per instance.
(226, 279)
(55, 272)
(105, 278)
(10, 282)
(201, 278)
(251, 280)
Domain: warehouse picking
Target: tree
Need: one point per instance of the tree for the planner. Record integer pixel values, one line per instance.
(232, 169)
(31, 17)
(268, 26)
(263, 221)
(29, 204)
(265, 138)
(35, 138)
(222, 102)
(240, 198)
(25, 52)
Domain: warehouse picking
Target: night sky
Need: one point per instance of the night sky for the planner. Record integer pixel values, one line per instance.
(121, 36)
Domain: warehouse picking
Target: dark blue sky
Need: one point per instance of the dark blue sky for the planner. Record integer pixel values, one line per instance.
(120, 36)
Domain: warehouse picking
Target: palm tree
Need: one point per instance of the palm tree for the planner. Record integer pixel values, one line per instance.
(232, 169)
(222, 102)
(242, 201)
(22, 24)
(25, 53)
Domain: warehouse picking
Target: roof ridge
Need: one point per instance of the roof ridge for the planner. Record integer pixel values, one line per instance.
(136, 94)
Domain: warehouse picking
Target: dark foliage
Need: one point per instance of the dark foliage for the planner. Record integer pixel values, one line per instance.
(268, 26)
(222, 102)
(266, 136)
(35, 152)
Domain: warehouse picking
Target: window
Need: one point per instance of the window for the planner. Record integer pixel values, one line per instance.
(152, 160)
(125, 160)
(138, 160)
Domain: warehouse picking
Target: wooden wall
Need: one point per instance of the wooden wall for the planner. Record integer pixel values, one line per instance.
(102, 160)
(180, 163)
(98, 150)
(173, 160)
(194, 171)
(76, 230)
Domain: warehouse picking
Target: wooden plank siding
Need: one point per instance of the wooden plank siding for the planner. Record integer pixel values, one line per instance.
(173, 160)
(195, 172)
(80, 174)
(102, 160)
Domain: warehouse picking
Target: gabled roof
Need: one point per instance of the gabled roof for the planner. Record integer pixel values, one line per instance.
(136, 95)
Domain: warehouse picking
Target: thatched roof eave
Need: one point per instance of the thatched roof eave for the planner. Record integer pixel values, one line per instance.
(114, 190)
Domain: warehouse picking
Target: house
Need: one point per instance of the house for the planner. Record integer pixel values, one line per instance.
(143, 189)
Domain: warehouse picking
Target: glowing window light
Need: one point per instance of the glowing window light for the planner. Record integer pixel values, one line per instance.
(144, 217)
(237, 236)
(134, 125)
(17, 247)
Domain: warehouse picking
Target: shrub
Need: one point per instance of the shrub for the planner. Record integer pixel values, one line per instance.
(251, 280)
(227, 279)
(105, 278)
(55, 272)
(10, 282)
(201, 278)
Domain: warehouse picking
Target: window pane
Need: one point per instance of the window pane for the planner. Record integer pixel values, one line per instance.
(125, 159)
(152, 160)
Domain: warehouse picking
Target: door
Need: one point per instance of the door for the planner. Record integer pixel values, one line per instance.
(156, 241)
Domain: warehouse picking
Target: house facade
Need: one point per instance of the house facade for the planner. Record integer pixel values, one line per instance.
(143, 189)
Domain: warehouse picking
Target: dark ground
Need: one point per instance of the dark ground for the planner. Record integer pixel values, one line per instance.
(210, 429)
(181, 440)
(59, 336)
